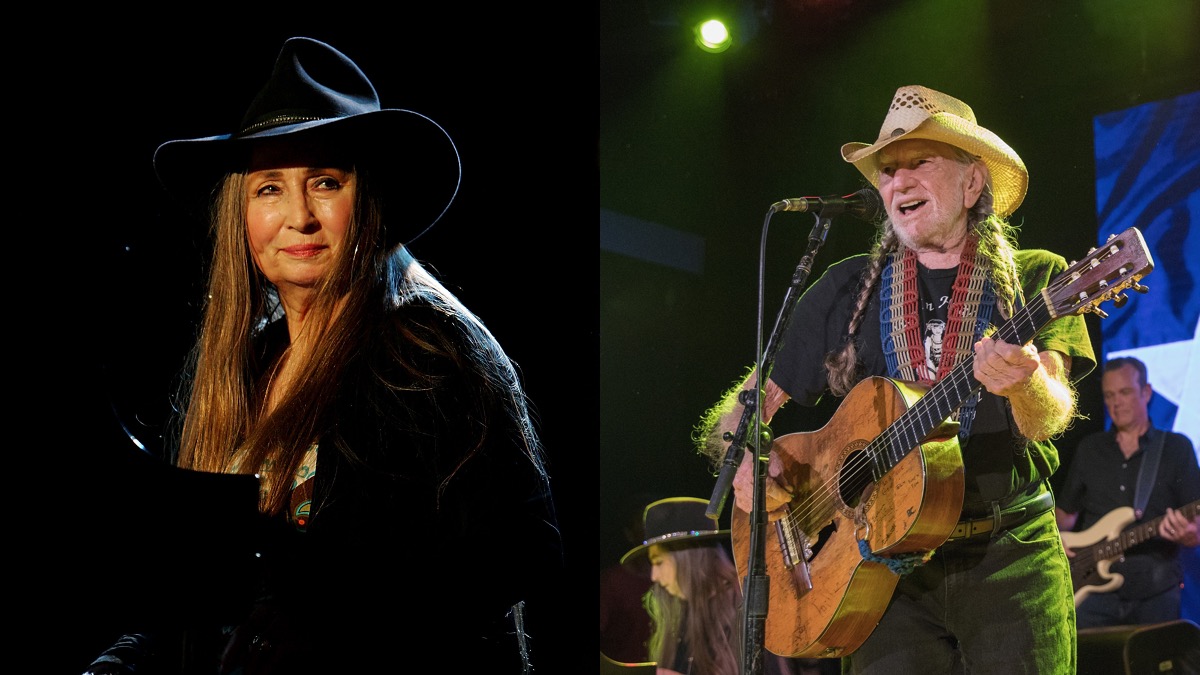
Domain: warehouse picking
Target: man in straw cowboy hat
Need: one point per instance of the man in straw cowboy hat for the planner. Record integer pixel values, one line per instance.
(996, 595)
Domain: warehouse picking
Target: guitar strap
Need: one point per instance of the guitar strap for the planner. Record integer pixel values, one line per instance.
(1147, 472)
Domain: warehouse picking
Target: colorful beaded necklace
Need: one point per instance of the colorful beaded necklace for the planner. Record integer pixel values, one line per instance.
(971, 302)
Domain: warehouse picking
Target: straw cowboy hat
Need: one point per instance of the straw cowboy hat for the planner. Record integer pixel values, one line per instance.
(921, 112)
(676, 520)
(316, 93)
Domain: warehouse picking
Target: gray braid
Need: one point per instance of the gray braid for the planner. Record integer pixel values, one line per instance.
(997, 244)
(841, 365)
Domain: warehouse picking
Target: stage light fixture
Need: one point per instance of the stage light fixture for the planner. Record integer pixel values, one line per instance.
(712, 35)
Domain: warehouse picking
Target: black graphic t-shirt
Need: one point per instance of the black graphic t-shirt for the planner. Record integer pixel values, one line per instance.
(934, 290)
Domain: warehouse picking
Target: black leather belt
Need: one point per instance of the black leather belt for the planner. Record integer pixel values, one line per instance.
(1003, 519)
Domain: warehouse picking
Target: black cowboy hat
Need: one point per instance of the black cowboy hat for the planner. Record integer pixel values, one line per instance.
(674, 521)
(316, 93)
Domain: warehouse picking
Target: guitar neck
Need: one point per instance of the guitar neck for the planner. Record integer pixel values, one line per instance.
(946, 395)
(1104, 274)
(1142, 532)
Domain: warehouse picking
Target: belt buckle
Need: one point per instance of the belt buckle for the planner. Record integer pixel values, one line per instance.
(973, 526)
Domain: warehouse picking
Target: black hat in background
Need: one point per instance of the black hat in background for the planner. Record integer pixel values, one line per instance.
(677, 520)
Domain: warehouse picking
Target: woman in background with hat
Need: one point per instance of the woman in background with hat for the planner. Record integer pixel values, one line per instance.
(405, 498)
(695, 601)
(996, 595)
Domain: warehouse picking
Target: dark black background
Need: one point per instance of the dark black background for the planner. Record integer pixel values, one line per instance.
(106, 273)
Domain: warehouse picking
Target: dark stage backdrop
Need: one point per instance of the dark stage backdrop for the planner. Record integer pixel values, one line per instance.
(695, 147)
(113, 271)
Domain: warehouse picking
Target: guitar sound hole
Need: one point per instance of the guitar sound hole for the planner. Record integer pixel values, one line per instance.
(854, 480)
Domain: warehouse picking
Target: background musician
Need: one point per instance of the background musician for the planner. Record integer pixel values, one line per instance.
(1104, 476)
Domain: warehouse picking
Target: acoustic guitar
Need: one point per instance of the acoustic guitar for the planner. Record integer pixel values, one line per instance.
(887, 470)
(1097, 547)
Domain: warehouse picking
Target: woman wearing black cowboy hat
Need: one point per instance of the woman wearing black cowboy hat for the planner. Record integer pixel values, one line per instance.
(404, 493)
(695, 601)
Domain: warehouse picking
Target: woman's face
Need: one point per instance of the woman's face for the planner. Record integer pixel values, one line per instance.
(297, 214)
(663, 570)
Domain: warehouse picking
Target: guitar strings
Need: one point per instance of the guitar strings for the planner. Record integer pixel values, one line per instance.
(962, 376)
(910, 429)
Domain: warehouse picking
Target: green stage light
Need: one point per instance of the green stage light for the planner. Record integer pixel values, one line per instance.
(713, 36)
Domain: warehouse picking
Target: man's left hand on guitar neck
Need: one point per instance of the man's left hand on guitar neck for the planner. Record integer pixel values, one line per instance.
(1178, 528)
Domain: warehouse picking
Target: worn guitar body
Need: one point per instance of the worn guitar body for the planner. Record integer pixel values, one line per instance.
(913, 508)
(1092, 575)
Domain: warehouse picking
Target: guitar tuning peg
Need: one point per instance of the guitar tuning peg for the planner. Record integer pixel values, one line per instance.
(1099, 312)
(1140, 288)
(1120, 300)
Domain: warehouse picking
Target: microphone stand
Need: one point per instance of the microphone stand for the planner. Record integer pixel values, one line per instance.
(757, 585)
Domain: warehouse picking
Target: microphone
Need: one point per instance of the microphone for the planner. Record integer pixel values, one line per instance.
(865, 204)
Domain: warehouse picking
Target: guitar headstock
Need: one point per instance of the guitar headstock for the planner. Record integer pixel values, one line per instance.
(1104, 274)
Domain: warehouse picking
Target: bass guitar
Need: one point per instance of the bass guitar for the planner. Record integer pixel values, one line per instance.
(1097, 547)
(887, 470)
